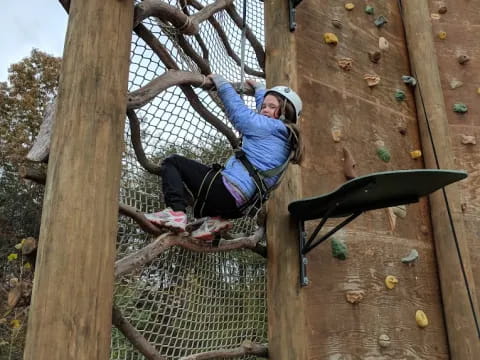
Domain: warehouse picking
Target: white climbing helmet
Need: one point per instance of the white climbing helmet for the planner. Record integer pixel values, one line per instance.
(290, 95)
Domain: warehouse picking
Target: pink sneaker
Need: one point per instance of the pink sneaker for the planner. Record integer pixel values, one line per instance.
(210, 227)
(175, 221)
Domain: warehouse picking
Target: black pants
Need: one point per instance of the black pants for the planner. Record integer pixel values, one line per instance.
(178, 172)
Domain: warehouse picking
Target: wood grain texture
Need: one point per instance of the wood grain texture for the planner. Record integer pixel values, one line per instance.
(287, 332)
(71, 311)
(340, 99)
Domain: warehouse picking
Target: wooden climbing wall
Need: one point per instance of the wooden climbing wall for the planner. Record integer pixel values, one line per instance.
(461, 85)
(342, 111)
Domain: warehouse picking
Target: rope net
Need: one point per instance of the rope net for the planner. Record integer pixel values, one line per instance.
(185, 302)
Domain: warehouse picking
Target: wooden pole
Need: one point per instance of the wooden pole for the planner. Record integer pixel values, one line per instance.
(71, 312)
(287, 335)
(461, 329)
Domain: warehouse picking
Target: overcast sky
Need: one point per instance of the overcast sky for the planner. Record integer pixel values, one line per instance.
(30, 24)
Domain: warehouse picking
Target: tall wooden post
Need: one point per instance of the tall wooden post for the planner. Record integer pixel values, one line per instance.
(462, 335)
(287, 337)
(70, 315)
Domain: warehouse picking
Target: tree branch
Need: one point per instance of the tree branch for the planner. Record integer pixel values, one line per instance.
(137, 340)
(36, 175)
(247, 348)
(147, 93)
(201, 62)
(140, 219)
(165, 57)
(185, 24)
(167, 240)
(41, 146)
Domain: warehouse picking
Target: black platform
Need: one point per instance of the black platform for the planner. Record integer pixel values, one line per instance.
(369, 192)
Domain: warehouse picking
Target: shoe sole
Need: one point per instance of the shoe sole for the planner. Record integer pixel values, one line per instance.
(168, 226)
(209, 237)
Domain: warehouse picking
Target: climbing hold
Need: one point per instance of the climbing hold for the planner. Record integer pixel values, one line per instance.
(411, 257)
(391, 281)
(400, 211)
(463, 206)
(421, 319)
(455, 84)
(372, 79)
(424, 229)
(478, 91)
(337, 134)
(345, 63)
(435, 16)
(384, 154)
(349, 6)
(383, 43)
(330, 38)
(355, 296)
(463, 59)
(409, 80)
(349, 165)
(442, 9)
(337, 23)
(402, 126)
(468, 140)
(374, 56)
(460, 108)
(442, 35)
(415, 154)
(400, 95)
(369, 9)
(339, 249)
(380, 21)
(384, 341)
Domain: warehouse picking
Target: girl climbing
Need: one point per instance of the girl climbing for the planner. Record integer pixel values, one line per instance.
(270, 141)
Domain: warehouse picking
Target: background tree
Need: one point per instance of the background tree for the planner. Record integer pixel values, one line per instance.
(32, 84)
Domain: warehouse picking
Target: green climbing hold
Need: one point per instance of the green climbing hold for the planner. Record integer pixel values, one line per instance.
(339, 249)
(384, 154)
(411, 257)
(369, 9)
(380, 21)
(400, 95)
(460, 108)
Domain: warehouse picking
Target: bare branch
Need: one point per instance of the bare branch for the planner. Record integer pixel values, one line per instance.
(36, 175)
(185, 24)
(202, 63)
(137, 340)
(197, 105)
(147, 93)
(247, 348)
(140, 219)
(165, 241)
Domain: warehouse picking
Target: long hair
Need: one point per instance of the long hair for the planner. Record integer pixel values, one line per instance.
(287, 115)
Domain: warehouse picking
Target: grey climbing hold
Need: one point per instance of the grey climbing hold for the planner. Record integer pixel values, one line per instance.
(460, 108)
(380, 21)
(455, 84)
(463, 59)
(409, 80)
(339, 249)
(337, 23)
(374, 56)
(410, 258)
(400, 95)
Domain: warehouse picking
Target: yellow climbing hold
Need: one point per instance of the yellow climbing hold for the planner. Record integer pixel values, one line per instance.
(415, 154)
(478, 91)
(421, 319)
(330, 38)
(442, 35)
(349, 6)
(391, 281)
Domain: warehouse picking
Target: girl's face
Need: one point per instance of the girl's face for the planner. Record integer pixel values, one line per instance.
(270, 107)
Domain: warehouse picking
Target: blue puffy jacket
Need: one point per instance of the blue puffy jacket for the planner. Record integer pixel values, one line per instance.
(265, 140)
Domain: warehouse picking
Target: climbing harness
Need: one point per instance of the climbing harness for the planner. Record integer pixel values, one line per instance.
(449, 212)
(204, 190)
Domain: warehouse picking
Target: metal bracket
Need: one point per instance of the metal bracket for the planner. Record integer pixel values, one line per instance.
(306, 246)
(292, 4)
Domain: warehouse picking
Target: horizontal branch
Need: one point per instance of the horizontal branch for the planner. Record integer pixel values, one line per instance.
(185, 24)
(247, 348)
(147, 93)
(140, 219)
(38, 176)
(167, 240)
(137, 340)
